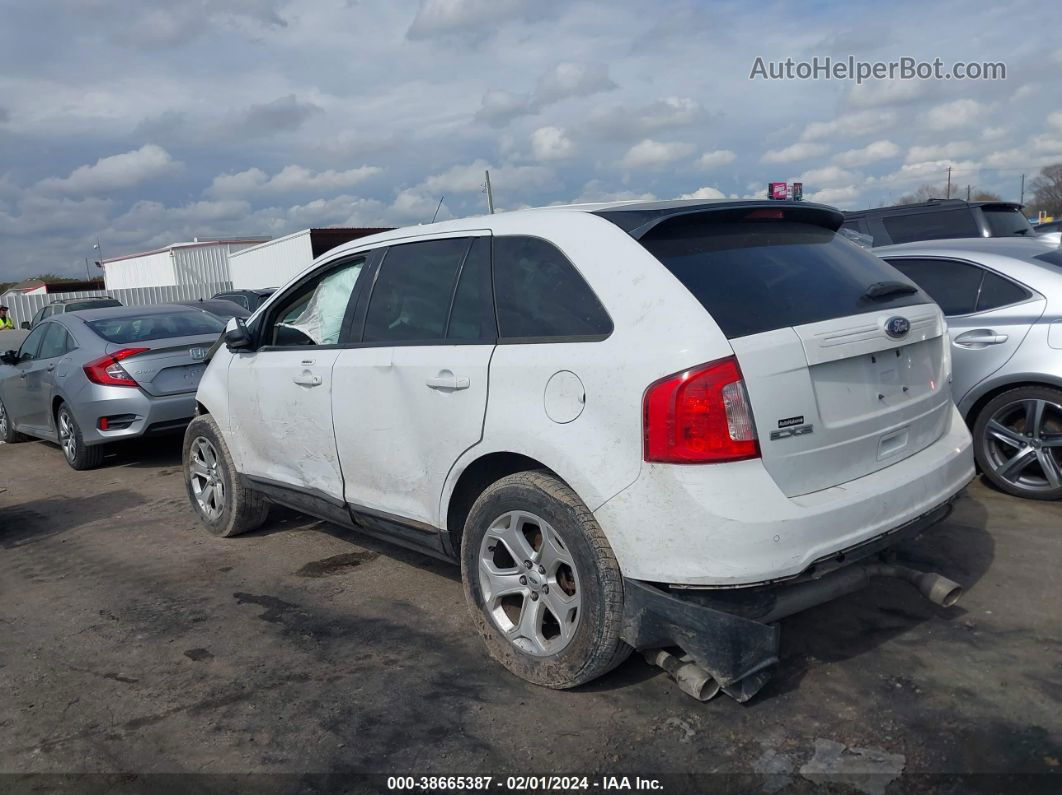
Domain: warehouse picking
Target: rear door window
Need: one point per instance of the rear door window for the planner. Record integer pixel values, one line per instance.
(472, 316)
(759, 275)
(953, 285)
(933, 225)
(411, 298)
(540, 295)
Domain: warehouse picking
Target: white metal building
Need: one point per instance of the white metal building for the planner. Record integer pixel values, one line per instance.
(179, 263)
(273, 263)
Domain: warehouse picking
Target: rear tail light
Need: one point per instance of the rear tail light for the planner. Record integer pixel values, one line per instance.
(108, 371)
(700, 416)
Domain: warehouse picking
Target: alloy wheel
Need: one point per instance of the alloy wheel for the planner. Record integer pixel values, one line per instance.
(530, 583)
(1023, 442)
(3, 420)
(207, 484)
(67, 435)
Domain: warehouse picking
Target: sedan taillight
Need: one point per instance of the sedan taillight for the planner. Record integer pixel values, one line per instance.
(108, 371)
(700, 416)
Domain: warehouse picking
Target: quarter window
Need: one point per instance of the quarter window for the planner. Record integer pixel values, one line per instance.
(997, 291)
(411, 298)
(539, 293)
(313, 314)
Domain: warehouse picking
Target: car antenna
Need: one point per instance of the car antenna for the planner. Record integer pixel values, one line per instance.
(437, 206)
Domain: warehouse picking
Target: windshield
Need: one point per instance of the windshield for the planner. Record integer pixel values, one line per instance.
(155, 326)
(755, 276)
(1007, 221)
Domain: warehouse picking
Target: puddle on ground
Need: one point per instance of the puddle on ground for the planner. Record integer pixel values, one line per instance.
(337, 564)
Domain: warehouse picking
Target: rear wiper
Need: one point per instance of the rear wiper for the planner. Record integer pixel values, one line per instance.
(879, 290)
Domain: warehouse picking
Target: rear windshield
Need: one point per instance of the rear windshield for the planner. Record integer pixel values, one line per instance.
(95, 304)
(754, 276)
(156, 326)
(1007, 222)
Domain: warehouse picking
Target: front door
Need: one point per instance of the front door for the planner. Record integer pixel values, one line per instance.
(280, 406)
(411, 398)
(19, 392)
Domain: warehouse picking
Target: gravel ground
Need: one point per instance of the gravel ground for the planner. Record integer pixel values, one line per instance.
(136, 644)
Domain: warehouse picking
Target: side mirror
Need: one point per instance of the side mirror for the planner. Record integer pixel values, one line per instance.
(238, 338)
(9, 357)
(25, 325)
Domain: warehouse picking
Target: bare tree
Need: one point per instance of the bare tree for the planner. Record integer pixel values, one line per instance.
(986, 196)
(1047, 190)
(923, 194)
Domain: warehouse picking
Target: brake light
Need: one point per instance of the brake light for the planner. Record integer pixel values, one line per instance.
(700, 416)
(108, 371)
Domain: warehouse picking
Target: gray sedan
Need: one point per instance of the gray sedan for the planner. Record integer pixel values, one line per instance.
(1003, 301)
(84, 379)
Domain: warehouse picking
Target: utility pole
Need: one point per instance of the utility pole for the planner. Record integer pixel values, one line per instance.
(88, 275)
(490, 194)
(1022, 199)
(967, 193)
(949, 183)
(97, 247)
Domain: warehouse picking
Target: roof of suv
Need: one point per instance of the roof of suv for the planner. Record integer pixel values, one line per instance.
(928, 206)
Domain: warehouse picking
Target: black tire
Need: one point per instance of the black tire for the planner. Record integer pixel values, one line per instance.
(1009, 410)
(242, 509)
(595, 647)
(8, 433)
(77, 454)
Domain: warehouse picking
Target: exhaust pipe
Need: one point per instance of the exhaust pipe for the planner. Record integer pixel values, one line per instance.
(690, 677)
(936, 588)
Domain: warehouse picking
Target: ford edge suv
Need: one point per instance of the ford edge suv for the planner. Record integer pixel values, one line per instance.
(662, 426)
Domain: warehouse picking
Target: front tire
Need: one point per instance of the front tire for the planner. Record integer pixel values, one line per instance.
(1018, 442)
(542, 583)
(224, 506)
(79, 455)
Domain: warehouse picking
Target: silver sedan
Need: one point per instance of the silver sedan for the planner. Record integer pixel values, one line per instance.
(1003, 301)
(84, 379)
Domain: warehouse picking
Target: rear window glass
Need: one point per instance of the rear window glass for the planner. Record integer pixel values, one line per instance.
(934, 225)
(760, 275)
(1051, 257)
(953, 285)
(1007, 222)
(75, 306)
(140, 328)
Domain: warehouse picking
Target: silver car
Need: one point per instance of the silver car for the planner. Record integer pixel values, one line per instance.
(1003, 302)
(84, 379)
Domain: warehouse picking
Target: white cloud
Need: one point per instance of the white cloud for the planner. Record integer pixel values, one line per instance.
(843, 195)
(875, 93)
(871, 153)
(625, 122)
(951, 149)
(704, 193)
(1055, 119)
(652, 154)
(467, 17)
(289, 179)
(595, 191)
(950, 115)
(852, 124)
(551, 143)
(116, 172)
(932, 171)
(506, 180)
(827, 176)
(720, 157)
(564, 80)
(798, 151)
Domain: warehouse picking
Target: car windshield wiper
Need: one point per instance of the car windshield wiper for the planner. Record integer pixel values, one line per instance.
(879, 290)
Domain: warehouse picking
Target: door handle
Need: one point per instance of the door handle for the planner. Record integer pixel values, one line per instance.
(447, 380)
(307, 380)
(980, 338)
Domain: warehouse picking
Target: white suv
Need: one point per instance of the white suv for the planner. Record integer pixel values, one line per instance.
(649, 425)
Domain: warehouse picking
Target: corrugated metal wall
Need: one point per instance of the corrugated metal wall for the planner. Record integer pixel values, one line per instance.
(146, 269)
(180, 265)
(24, 307)
(271, 264)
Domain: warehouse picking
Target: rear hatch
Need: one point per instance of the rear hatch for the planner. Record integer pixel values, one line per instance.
(844, 359)
(169, 366)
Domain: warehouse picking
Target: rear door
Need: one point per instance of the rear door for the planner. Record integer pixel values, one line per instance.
(410, 398)
(280, 395)
(988, 315)
(842, 357)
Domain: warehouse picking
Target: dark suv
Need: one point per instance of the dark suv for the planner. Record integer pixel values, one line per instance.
(939, 219)
(70, 305)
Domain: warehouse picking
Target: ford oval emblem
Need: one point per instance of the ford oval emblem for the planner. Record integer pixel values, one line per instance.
(897, 327)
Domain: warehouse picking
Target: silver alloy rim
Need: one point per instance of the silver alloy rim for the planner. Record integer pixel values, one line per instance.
(207, 483)
(1024, 444)
(67, 437)
(3, 420)
(530, 584)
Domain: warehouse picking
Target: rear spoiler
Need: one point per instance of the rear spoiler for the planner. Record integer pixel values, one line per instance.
(638, 223)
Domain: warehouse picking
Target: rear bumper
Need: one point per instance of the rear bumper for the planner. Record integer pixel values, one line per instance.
(152, 414)
(730, 525)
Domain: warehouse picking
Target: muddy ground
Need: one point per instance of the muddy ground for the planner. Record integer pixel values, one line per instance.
(135, 643)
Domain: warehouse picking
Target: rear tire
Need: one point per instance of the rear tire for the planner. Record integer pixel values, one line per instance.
(1016, 442)
(224, 506)
(533, 517)
(79, 455)
(8, 433)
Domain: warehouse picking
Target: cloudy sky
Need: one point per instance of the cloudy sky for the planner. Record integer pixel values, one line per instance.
(150, 121)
